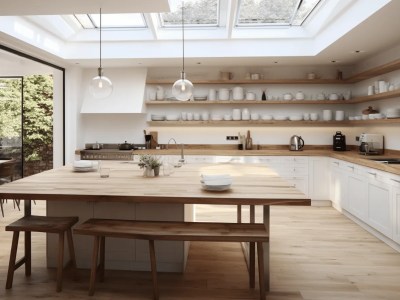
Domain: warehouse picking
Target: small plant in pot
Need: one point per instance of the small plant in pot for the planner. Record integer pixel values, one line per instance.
(150, 163)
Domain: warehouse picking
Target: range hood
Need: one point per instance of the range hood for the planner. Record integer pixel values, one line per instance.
(128, 94)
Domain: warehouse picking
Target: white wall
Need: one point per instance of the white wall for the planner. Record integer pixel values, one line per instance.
(116, 128)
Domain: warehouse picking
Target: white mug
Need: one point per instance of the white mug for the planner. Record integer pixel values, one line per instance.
(306, 116)
(314, 116)
(327, 115)
(190, 116)
(339, 115)
(212, 94)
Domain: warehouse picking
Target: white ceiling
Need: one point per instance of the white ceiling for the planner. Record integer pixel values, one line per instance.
(369, 26)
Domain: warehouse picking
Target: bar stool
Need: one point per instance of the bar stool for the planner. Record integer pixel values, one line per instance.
(28, 224)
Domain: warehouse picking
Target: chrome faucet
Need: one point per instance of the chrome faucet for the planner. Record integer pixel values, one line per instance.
(182, 159)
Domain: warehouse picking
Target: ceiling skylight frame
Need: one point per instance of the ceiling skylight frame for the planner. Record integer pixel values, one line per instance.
(163, 25)
(296, 9)
(88, 22)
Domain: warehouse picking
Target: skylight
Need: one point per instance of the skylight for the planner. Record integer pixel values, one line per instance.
(197, 13)
(112, 21)
(274, 12)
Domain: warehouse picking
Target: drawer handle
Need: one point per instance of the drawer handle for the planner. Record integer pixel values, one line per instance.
(395, 180)
(374, 174)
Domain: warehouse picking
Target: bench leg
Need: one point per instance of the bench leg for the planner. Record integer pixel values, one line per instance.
(1, 206)
(60, 266)
(153, 268)
(28, 253)
(252, 253)
(102, 258)
(13, 256)
(72, 252)
(260, 254)
(94, 265)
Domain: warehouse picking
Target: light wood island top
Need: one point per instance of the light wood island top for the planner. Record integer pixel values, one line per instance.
(252, 185)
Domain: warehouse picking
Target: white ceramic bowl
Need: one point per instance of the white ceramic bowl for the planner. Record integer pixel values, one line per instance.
(280, 118)
(157, 117)
(296, 118)
(266, 117)
(228, 117)
(172, 117)
(216, 117)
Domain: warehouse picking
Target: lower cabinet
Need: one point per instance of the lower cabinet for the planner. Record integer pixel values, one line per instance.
(319, 180)
(338, 185)
(380, 204)
(357, 195)
(395, 192)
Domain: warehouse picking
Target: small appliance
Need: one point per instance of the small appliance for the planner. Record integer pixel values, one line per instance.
(339, 142)
(371, 144)
(296, 143)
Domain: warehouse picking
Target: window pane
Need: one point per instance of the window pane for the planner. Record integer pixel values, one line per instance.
(197, 12)
(85, 21)
(274, 12)
(305, 9)
(119, 20)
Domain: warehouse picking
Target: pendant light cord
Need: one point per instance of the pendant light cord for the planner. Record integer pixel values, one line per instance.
(183, 41)
(100, 38)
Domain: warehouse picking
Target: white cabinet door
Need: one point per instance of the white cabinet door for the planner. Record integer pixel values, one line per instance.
(380, 205)
(357, 194)
(318, 178)
(338, 187)
(395, 182)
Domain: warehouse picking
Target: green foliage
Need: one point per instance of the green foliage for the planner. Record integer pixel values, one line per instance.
(38, 112)
(10, 108)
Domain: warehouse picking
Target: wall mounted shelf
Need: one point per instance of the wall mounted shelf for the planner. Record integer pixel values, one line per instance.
(261, 81)
(250, 102)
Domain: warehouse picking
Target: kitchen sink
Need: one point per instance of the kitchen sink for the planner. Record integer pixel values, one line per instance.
(387, 160)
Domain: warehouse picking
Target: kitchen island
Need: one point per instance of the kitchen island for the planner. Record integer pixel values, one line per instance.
(68, 193)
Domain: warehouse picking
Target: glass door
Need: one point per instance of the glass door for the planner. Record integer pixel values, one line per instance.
(11, 106)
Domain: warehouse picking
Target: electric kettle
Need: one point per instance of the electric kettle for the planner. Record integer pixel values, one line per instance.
(296, 143)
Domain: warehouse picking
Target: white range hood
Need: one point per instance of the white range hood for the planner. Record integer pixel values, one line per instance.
(127, 96)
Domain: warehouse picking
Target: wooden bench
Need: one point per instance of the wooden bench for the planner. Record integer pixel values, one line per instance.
(28, 224)
(171, 231)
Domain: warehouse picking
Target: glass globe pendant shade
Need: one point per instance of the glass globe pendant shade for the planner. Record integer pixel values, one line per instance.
(101, 86)
(182, 89)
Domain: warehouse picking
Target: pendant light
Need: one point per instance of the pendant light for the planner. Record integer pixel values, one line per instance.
(182, 89)
(101, 86)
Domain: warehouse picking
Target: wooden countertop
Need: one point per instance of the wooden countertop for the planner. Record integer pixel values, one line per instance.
(350, 156)
(252, 185)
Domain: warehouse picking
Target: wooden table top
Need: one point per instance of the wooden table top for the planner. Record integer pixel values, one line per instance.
(252, 185)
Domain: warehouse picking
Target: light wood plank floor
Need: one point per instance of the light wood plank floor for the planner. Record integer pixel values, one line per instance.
(316, 253)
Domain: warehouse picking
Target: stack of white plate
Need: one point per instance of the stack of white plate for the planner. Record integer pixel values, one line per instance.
(172, 117)
(85, 166)
(157, 117)
(392, 113)
(216, 183)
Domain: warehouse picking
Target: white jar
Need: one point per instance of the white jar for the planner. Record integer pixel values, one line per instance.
(327, 115)
(190, 116)
(314, 116)
(212, 94)
(236, 114)
(245, 114)
(223, 94)
(339, 115)
(204, 116)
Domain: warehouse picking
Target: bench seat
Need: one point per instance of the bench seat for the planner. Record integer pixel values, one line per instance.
(170, 231)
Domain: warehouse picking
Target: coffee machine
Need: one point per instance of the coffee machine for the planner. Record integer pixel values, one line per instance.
(371, 144)
(339, 142)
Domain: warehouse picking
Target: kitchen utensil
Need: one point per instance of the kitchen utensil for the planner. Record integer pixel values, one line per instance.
(287, 96)
(250, 96)
(212, 94)
(327, 115)
(147, 138)
(339, 142)
(126, 146)
(339, 115)
(300, 95)
(223, 94)
(371, 143)
(238, 93)
(96, 146)
(313, 116)
(296, 143)
(249, 141)
(226, 75)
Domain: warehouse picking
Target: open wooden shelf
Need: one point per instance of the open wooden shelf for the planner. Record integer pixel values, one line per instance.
(244, 81)
(271, 123)
(381, 96)
(386, 68)
(250, 102)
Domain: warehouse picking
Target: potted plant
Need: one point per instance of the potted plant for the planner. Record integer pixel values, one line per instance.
(150, 163)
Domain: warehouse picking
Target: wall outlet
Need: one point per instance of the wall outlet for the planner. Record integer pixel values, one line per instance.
(357, 138)
(231, 138)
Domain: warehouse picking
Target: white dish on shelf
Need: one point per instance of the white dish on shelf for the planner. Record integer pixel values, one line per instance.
(296, 118)
(172, 117)
(216, 117)
(157, 117)
(280, 118)
(266, 117)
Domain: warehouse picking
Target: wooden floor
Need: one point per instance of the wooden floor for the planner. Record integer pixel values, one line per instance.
(316, 253)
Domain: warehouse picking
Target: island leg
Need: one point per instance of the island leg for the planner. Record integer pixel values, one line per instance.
(266, 219)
